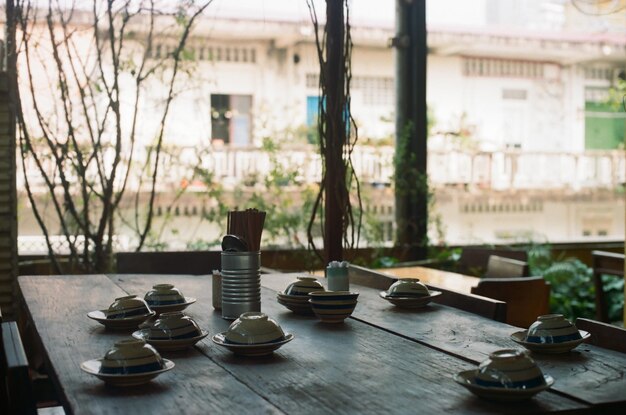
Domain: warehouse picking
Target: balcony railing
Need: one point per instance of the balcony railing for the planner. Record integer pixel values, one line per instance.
(497, 170)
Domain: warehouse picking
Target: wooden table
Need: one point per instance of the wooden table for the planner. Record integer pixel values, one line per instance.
(452, 281)
(383, 360)
(444, 279)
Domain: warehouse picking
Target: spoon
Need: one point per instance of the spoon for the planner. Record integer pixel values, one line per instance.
(234, 243)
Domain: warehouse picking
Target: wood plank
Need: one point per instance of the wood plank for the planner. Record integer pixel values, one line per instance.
(345, 368)
(58, 307)
(592, 374)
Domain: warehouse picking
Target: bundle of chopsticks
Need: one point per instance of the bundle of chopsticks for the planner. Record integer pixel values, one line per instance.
(248, 225)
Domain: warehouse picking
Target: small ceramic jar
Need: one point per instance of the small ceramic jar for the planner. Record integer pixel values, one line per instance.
(509, 368)
(337, 276)
(128, 306)
(408, 287)
(254, 328)
(164, 294)
(131, 356)
(552, 328)
(174, 326)
(303, 286)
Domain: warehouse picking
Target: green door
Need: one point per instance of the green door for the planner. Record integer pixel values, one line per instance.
(604, 127)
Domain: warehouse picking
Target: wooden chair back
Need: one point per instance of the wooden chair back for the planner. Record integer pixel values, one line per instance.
(605, 263)
(183, 262)
(502, 267)
(526, 298)
(486, 307)
(19, 398)
(603, 334)
(473, 260)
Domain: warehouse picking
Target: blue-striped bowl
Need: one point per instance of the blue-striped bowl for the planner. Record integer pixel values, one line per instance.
(510, 369)
(128, 306)
(552, 328)
(303, 286)
(164, 294)
(131, 356)
(333, 306)
(174, 326)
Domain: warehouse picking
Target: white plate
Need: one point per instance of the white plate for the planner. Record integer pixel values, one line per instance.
(93, 368)
(260, 349)
(172, 307)
(467, 380)
(169, 345)
(410, 302)
(553, 348)
(118, 323)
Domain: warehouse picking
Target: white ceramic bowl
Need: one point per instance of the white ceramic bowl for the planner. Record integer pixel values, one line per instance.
(131, 356)
(163, 295)
(510, 369)
(174, 326)
(303, 286)
(408, 287)
(552, 328)
(254, 328)
(128, 306)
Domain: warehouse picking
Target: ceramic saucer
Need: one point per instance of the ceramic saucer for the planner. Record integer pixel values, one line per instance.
(169, 345)
(173, 307)
(467, 380)
(93, 368)
(564, 347)
(260, 349)
(118, 323)
(410, 302)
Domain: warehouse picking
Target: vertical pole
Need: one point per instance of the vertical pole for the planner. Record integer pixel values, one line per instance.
(411, 126)
(336, 193)
(8, 198)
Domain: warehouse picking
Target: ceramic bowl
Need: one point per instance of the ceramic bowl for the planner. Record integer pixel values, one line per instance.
(254, 328)
(164, 294)
(552, 328)
(303, 286)
(174, 326)
(128, 306)
(510, 369)
(131, 356)
(299, 304)
(333, 306)
(408, 287)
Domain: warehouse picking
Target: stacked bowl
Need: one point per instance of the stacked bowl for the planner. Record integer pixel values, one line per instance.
(253, 334)
(551, 333)
(296, 296)
(333, 306)
(130, 362)
(507, 375)
(164, 298)
(172, 331)
(409, 293)
(124, 313)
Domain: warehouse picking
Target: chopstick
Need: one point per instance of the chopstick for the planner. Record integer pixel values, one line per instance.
(248, 225)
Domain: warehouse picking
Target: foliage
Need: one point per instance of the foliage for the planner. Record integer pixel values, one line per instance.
(572, 287)
(280, 194)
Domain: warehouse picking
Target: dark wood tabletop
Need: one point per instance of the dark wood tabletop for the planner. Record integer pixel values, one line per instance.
(380, 361)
